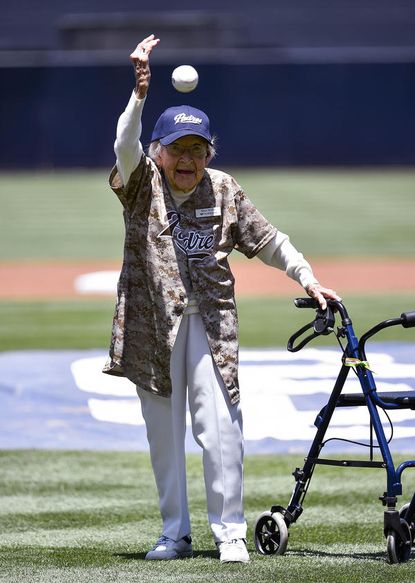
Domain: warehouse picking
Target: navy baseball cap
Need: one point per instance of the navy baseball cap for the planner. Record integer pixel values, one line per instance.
(179, 121)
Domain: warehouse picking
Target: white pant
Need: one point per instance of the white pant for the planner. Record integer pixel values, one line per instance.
(217, 428)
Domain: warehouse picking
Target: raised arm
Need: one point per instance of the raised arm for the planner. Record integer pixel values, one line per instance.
(127, 147)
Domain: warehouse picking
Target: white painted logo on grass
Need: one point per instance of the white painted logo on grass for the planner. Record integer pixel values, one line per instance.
(281, 394)
(98, 282)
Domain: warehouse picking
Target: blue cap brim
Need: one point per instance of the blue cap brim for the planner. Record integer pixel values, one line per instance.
(185, 132)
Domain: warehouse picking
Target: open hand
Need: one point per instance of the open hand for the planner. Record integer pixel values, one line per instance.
(140, 60)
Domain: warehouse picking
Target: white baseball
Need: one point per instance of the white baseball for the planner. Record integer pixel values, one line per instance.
(185, 78)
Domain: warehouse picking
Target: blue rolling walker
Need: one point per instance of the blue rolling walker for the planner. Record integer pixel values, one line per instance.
(271, 527)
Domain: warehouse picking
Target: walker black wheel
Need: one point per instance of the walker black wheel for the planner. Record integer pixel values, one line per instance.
(411, 523)
(399, 551)
(271, 534)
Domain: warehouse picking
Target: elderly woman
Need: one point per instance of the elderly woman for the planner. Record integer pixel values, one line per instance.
(175, 325)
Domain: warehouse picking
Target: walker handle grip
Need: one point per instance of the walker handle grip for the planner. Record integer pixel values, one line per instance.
(408, 319)
(306, 303)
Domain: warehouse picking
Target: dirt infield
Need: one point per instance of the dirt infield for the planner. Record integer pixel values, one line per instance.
(29, 281)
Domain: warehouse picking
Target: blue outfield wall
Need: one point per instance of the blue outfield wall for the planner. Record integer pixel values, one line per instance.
(271, 114)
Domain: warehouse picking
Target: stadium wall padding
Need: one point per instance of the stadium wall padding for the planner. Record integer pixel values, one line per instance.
(263, 115)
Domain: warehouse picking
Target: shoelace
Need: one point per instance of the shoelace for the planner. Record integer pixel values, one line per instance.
(163, 539)
(234, 541)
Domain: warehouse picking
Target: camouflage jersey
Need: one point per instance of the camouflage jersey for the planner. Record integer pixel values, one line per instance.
(170, 254)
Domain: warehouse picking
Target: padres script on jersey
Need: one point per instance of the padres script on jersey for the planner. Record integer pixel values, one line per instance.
(170, 253)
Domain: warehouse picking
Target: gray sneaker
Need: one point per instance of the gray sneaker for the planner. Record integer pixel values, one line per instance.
(233, 551)
(167, 549)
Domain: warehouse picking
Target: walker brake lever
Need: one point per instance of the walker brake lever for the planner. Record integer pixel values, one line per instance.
(293, 338)
(322, 325)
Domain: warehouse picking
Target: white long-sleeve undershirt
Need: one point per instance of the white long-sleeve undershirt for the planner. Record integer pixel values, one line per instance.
(279, 252)
(127, 147)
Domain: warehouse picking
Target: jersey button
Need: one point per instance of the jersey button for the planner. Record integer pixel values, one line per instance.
(178, 310)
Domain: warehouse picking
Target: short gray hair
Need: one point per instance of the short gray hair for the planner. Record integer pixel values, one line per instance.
(154, 149)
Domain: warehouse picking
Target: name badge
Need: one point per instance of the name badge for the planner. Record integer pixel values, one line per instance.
(209, 212)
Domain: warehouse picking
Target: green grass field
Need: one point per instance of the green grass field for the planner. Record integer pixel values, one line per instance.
(74, 215)
(327, 213)
(265, 323)
(90, 517)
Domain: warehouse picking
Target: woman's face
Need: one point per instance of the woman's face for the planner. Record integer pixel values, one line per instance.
(184, 161)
